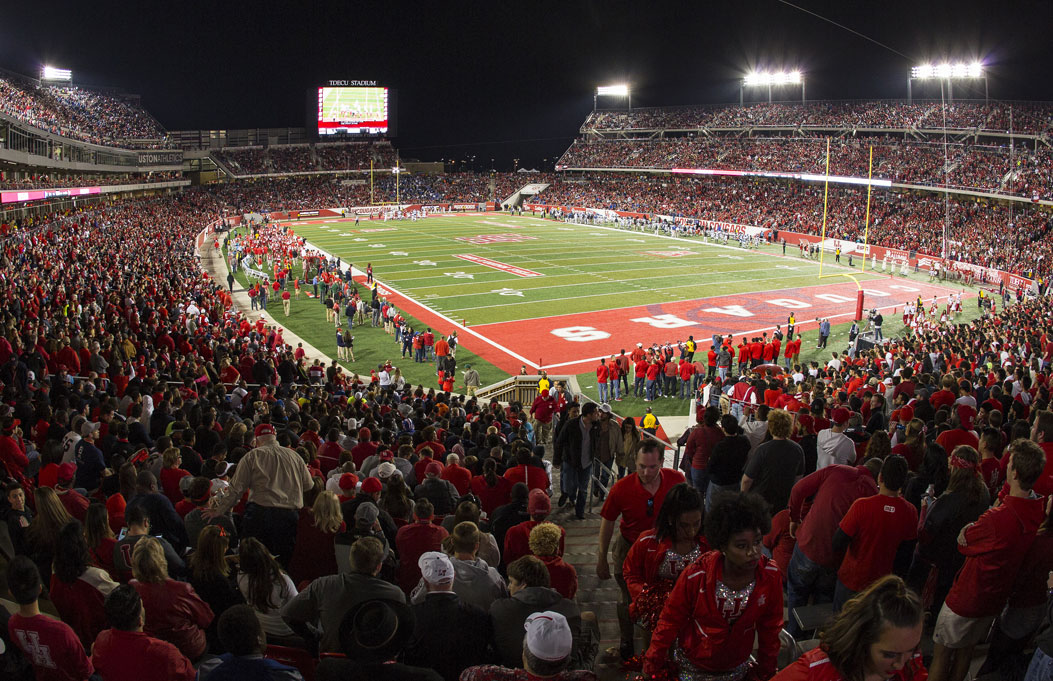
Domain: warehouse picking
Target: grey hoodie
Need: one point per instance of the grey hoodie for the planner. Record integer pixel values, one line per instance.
(474, 581)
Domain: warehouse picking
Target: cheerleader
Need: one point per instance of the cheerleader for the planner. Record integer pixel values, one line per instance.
(722, 602)
(658, 557)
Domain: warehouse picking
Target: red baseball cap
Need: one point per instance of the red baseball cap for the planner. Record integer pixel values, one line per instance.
(840, 416)
(66, 472)
(433, 468)
(348, 481)
(263, 429)
(906, 413)
(371, 485)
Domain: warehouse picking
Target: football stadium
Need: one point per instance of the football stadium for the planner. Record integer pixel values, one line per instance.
(714, 374)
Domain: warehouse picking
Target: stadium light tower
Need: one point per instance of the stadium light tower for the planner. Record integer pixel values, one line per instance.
(620, 90)
(54, 75)
(768, 79)
(948, 72)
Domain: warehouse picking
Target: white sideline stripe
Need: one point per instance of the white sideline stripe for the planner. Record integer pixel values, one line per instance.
(461, 327)
(736, 333)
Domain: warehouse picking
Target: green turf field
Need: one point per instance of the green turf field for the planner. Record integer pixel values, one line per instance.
(570, 270)
(584, 269)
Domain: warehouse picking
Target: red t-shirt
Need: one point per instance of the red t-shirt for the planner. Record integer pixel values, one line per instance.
(51, 647)
(602, 373)
(877, 525)
(532, 476)
(630, 500)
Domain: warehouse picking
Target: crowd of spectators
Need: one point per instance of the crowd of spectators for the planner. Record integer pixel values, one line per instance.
(355, 155)
(968, 166)
(299, 158)
(1027, 117)
(1011, 238)
(57, 180)
(79, 113)
(185, 489)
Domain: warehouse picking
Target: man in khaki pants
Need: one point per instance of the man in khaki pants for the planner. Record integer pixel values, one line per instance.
(636, 498)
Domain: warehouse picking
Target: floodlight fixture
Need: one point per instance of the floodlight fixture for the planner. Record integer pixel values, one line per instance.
(948, 71)
(620, 90)
(54, 74)
(772, 78)
(616, 90)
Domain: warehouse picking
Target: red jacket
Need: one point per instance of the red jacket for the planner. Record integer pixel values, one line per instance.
(413, 541)
(460, 476)
(80, 604)
(176, 614)
(815, 665)
(996, 545)
(532, 476)
(562, 576)
(692, 616)
(644, 558)
(132, 655)
(491, 497)
(542, 408)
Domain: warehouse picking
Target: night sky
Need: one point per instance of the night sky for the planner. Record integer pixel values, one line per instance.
(507, 80)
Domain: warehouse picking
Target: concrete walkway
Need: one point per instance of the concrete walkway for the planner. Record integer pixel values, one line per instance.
(215, 264)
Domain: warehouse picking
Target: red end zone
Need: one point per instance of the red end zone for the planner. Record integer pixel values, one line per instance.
(576, 339)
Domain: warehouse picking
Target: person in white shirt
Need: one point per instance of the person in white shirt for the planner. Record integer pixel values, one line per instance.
(832, 445)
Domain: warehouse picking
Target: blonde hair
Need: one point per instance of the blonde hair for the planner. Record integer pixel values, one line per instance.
(148, 561)
(326, 511)
(544, 539)
(779, 423)
(170, 457)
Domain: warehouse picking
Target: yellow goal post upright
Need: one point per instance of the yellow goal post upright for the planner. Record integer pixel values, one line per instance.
(866, 231)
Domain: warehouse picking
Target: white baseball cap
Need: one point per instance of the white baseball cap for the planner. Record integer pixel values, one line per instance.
(436, 567)
(548, 635)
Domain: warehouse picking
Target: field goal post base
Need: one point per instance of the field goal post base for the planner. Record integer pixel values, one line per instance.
(860, 294)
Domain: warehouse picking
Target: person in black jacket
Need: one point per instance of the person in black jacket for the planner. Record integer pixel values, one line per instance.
(450, 635)
(575, 448)
(511, 514)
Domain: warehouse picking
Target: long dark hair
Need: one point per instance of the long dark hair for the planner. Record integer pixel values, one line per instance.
(263, 572)
(933, 467)
(490, 472)
(680, 499)
(885, 603)
(71, 553)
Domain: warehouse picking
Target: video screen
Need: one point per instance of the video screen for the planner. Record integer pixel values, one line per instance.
(352, 110)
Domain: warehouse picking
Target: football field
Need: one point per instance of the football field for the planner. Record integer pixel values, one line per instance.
(558, 296)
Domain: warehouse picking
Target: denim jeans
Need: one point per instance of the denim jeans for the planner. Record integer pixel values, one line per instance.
(713, 489)
(616, 388)
(806, 579)
(1041, 668)
(650, 389)
(699, 480)
(603, 393)
(575, 484)
(638, 386)
(685, 388)
(842, 594)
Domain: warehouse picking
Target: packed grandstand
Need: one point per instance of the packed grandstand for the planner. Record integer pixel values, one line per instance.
(151, 424)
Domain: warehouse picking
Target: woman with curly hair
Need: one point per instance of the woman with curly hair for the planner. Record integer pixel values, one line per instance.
(658, 557)
(874, 638)
(78, 589)
(722, 601)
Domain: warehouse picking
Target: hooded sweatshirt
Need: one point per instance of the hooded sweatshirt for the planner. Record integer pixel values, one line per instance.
(996, 545)
(477, 583)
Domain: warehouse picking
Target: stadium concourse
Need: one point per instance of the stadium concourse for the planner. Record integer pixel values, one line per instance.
(182, 478)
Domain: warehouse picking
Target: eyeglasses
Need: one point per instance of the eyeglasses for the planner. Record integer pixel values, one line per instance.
(650, 507)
